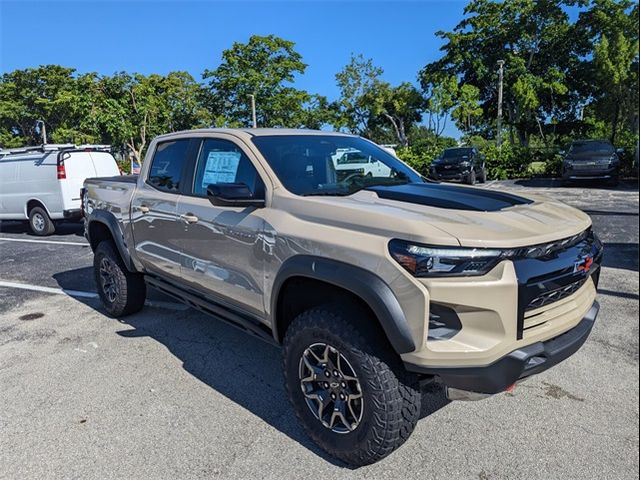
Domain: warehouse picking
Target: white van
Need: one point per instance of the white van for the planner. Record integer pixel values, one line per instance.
(42, 184)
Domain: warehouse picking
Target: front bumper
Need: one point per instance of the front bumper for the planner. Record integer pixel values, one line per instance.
(518, 364)
(597, 173)
(453, 174)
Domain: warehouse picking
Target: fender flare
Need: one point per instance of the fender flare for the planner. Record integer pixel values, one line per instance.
(362, 283)
(111, 222)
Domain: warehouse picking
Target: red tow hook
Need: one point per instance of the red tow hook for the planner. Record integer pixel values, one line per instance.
(510, 388)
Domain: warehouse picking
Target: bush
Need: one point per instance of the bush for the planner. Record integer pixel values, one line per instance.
(509, 161)
(419, 158)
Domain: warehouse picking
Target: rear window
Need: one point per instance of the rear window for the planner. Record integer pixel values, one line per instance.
(167, 165)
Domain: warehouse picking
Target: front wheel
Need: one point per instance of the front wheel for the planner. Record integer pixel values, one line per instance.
(483, 176)
(348, 390)
(471, 179)
(122, 292)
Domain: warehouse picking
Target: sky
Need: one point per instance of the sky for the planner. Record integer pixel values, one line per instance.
(148, 36)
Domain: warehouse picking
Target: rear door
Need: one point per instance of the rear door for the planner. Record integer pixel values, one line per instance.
(156, 230)
(222, 248)
(77, 167)
(104, 164)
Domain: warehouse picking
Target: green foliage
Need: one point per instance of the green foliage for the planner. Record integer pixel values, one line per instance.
(265, 67)
(396, 107)
(419, 158)
(356, 81)
(509, 161)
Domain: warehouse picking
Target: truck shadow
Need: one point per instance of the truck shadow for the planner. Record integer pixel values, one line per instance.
(62, 228)
(626, 185)
(237, 365)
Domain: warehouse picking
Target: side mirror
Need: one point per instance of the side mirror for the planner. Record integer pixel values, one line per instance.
(619, 150)
(562, 152)
(232, 195)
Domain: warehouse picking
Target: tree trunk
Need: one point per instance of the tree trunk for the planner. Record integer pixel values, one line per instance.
(614, 126)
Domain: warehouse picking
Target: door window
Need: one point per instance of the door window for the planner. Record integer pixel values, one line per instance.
(167, 165)
(222, 161)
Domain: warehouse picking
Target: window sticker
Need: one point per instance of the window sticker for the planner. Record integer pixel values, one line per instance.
(221, 167)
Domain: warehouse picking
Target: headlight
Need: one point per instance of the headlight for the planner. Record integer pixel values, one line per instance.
(465, 164)
(424, 261)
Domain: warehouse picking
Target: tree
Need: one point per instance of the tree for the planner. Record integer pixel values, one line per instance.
(132, 109)
(441, 91)
(264, 67)
(400, 107)
(612, 26)
(467, 110)
(537, 42)
(48, 93)
(356, 81)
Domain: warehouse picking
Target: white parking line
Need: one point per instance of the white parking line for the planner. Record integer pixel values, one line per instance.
(52, 242)
(83, 294)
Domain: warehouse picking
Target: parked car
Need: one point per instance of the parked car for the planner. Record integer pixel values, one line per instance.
(591, 160)
(42, 184)
(356, 163)
(372, 285)
(464, 164)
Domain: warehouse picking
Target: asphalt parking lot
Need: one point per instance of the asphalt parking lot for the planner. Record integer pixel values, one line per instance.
(171, 393)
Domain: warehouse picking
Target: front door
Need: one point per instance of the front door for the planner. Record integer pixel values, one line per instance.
(156, 229)
(222, 253)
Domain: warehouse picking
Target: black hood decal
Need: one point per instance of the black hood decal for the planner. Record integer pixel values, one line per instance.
(449, 196)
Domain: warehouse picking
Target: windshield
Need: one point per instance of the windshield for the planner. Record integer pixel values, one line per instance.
(331, 164)
(456, 152)
(591, 147)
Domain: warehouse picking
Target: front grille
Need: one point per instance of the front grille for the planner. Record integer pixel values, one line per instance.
(590, 166)
(546, 249)
(555, 295)
(550, 272)
(448, 170)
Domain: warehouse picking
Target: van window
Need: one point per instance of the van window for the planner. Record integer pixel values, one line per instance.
(167, 164)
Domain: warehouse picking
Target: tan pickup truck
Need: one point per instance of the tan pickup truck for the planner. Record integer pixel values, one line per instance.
(372, 284)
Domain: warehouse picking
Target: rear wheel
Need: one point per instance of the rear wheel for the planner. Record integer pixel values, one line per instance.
(122, 292)
(40, 222)
(348, 389)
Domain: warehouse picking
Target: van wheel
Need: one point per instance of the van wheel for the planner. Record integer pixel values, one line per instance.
(40, 223)
(348, 389)
(122, 292)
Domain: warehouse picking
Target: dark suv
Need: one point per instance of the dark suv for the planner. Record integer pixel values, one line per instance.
(464, 164)
(591, 159)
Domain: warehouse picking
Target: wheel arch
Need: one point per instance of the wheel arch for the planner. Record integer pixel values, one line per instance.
(332, 275)
(103, 225)
(32, 203)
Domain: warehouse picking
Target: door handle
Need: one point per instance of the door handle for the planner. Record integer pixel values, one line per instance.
(189, 218)
(143, 209)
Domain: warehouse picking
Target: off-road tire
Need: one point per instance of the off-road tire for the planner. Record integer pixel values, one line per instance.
(483, 176)
(129, 289)
(40, 223)
(391, 396)
(471, 179)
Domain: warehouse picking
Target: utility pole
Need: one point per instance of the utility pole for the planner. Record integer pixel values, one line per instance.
(253, 110)
(499, 122)
(43, 130)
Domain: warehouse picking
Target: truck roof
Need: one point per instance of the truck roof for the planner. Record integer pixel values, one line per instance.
(247, 133)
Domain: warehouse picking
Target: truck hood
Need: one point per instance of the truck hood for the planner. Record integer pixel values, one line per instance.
(446, 215)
